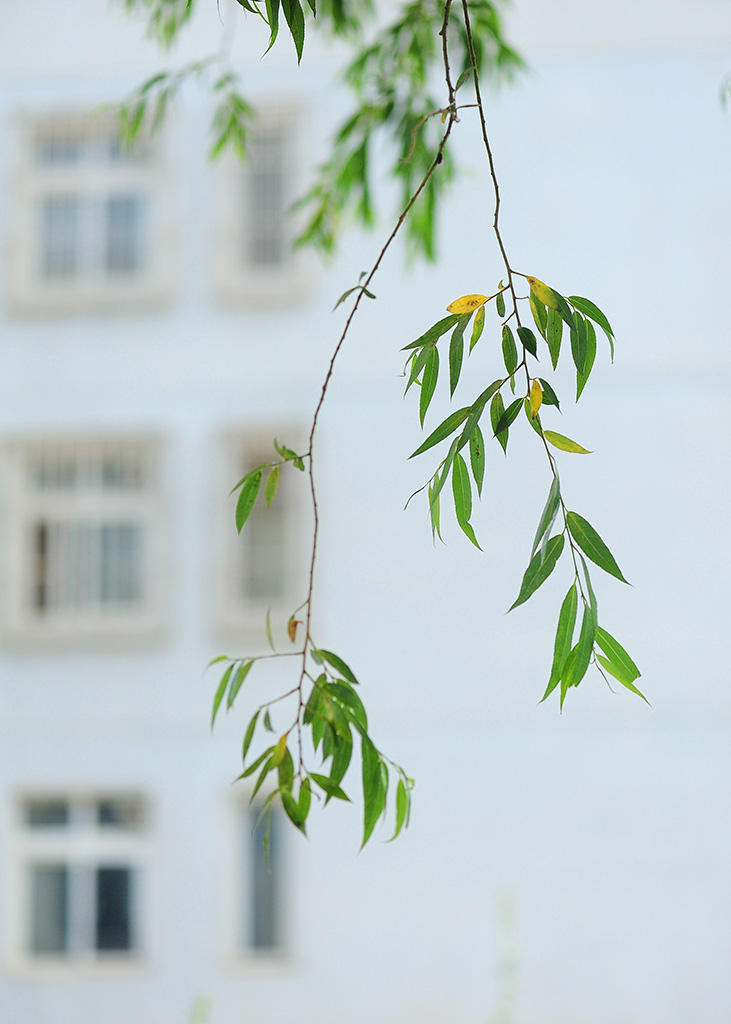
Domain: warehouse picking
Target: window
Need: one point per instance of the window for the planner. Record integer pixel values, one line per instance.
(255, 258)
(263, 567)
(88, 217)
(81, 868)
(262, 931)
(82, 525)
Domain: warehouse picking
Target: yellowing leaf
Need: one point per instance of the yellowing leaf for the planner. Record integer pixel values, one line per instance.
(536, 399)
(542, 292)
(467, 304)
(564, 443)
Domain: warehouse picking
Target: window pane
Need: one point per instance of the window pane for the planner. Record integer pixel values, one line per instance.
(49, 908)
(40, 813)
(121, 564)
(113, 908)
(264, 883)
(266, 241)
(60, 218)
(121, 813)
(124, 234)
(264, 553)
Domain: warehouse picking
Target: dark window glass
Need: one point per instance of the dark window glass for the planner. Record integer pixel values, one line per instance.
(113, 908)
(265, 883)
(120, 813)
(42, 813)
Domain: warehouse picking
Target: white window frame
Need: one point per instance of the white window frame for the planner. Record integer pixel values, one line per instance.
(82, 844)
(237, 281)
(27, 291)
(22, 505)
(242, 619)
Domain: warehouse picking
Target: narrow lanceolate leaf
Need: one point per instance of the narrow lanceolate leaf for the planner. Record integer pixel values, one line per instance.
(578, 343)
(612, 669)
(295, 18)
(247, 498)
(497, 410)
(541, 566)
(575, 669)
(592, 545)
(293, 811)
(564, 637)
(238, 681)
(564, 443)
(332, 789)
(467, 304)
(477, 327)
(251, 728)
(548, 515)
(476, 410)
(402, 807)
(588, 308)
(445, 428)
(456, 353)
(623, 668)
(549, 395)
(535, 421)
(508, 416)
(477, 457)
(535, 399)
(542, 292)
(272, 484)
(510, 351)
(463, 497)
(337, 663)
(374, 795)
(589, 587)
(220, 692)
(539, 313)
(272, 18)
(428, 383)
(528, 340)
(268, 628)
(418, 362)
(500, 304)
(554, 333)
(582, 378)
(434, 333)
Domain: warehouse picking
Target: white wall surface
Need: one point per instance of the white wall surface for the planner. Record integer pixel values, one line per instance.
(607, 826)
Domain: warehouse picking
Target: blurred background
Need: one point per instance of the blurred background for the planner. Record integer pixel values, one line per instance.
(156, 332)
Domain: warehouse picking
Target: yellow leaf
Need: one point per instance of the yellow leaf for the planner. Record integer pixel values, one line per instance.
(536, 399)
(564, 443)
(542, 292)
(279, 751)
(466, 304)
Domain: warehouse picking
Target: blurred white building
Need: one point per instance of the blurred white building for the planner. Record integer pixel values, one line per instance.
(156, 332)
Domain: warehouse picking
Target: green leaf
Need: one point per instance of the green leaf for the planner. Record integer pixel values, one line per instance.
(564, 636)
(477, 457)
(623, 668)
(538, 310)
(565, 444)
(590, 356)
(428, 383)
(476, 410)
(477, 327)
(548, 515)
(296, 20)
(592, 545)
(347, 695)
(220, 692)
(575, 669)
(589, 587)
(588, 308)
(434, 333)
(285, 770)
(528, 340)
(402, 807)
(341, 760)
(535, 421)
(500, 303)
(612, 669)
(331, 788)
(268, 628)
(445, 428)
(250, 730)
(578, 343)
(337, 663)
(418, 362)
(540, 568)
(467, 73)
(549, 395)
(462, 491)
(247, 498)
(508, 416)
(497, 411)
(374, 794)
(268, 721)
(252, 767)
(510, 351)
(554, 332)
(292, 808)
(238, 680)
(217, 659)
(271, 487)
(305, 798)
(272, 18)
(456, 352)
